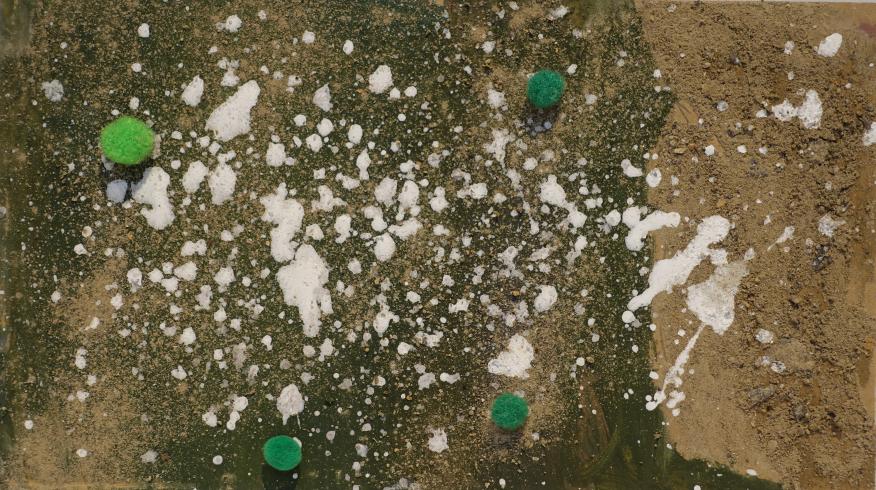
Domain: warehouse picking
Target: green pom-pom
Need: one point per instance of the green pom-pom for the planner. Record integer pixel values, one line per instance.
(545, 88)
(282, 453)
(127, 140)
(509, 411)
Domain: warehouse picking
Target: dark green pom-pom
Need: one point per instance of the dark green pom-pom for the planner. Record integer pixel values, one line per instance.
(509, 411)
(127, 140)
(545, 88)
(282, 453)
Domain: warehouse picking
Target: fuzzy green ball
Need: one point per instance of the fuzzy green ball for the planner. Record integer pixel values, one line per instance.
(545, 89)
(282, 453)
(127, 140)
(509, 411)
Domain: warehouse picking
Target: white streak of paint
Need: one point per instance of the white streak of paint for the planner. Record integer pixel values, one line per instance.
(713, 303)
(673, 376)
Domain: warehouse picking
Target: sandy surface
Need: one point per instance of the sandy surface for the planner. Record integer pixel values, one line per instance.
(804, 418)
(810, 426)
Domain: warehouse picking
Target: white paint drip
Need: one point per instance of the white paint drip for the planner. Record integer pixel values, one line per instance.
(222, 181)
(673, 376)
(713, 303)
(380, 80)
(551, 192)
(629, 169)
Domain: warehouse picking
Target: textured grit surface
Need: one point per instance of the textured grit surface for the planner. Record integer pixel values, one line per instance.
(810, 425)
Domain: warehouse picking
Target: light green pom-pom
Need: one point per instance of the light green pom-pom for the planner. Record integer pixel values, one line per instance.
(127, 140)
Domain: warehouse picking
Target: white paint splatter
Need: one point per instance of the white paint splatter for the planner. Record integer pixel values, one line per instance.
(303, 284)
(809, 112)
(515, 361)
(380, 79)
(193, 92)
(870, 135)
(673, 271)
(290, 402)
(827, 225)
(830, 45)
(438, 441)
(639, 228)
(232, 117)
(152, 191)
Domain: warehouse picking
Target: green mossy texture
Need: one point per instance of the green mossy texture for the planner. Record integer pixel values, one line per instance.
(545, 88)
(509, 411)
(127, 140)
(282, 453)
